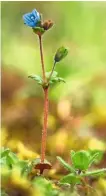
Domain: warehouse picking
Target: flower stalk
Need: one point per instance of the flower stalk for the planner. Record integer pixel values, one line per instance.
(44, 131)
(42, 59)
(52, 71)
(46, 105)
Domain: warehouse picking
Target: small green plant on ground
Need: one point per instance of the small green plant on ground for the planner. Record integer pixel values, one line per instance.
(19, 176)
(79, 169)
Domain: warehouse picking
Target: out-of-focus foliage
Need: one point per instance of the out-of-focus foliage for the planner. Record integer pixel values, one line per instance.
(17, 178)
(20, 176)
(77, 108)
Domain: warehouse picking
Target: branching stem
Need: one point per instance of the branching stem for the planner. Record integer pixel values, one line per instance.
(52, 71)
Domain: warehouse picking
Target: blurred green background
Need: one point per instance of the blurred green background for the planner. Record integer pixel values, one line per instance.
(77, 117)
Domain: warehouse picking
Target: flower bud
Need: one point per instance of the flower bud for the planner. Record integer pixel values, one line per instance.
(60, 54)
(47, 24)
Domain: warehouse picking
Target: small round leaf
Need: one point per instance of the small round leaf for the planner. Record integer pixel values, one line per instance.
(80, 160)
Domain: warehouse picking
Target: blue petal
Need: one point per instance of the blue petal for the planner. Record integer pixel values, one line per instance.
(36, 14)
(29, 21)
(30, 24)
(26, 17)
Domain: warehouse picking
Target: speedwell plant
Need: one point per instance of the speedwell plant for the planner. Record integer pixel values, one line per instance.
(17, 175)
(34, 20)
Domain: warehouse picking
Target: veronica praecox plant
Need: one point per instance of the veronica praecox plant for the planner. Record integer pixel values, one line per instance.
(39, 27)
(79, 169)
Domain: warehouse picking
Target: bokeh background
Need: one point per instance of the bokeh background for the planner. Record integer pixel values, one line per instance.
(77, 113)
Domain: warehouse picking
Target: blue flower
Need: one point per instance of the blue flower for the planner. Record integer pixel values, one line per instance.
(32, 19)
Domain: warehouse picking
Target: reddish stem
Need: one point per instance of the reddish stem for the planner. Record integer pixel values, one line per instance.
(44, 131)
(42, 60)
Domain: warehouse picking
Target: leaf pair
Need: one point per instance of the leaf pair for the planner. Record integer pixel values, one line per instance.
(81, 161)
(53, 79)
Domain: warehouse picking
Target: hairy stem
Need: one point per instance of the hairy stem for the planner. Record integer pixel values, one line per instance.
(42, 60)
(44, 131)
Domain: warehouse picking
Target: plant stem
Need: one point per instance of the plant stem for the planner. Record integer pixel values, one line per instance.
(52, 71)
(46, 105)
(42, 60)
(44, 131)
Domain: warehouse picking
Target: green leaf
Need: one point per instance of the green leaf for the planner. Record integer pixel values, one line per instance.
(37, 78)
(21, 164)
(8, 159)
(4, 152)
(72, 153)
(3, 161)
(99, 172)
(12, 158)
(59, 79)
(44, 186)
(81, 159)
(97, 158)
(54, 74)
(93, 158)
(54, 78)
(26, 167)
(65, 165)
(71, 179)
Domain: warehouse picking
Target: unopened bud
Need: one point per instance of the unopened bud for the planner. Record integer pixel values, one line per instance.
(60, 54)
(47, 24)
